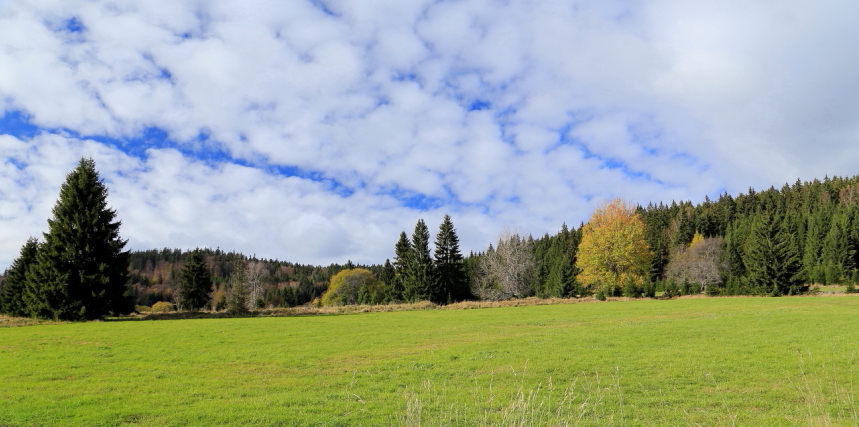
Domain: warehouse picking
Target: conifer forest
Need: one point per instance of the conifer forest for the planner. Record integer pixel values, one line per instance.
(774, 242)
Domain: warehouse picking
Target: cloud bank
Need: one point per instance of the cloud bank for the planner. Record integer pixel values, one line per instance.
(314, 131)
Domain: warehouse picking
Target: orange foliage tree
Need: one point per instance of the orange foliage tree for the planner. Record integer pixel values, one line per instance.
(613, 250)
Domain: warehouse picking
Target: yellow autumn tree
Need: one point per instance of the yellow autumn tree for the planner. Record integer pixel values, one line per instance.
(613, 250)
(348, 286)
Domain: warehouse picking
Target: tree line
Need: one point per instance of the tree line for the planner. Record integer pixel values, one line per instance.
(775, 242)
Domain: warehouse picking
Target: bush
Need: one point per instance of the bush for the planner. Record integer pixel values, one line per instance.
(600, 295)
(713, 290)
(142, 308)
(630, 290)
(649, 290)
(671, 290)
(162, 307)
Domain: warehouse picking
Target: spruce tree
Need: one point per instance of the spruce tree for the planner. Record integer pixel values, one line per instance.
(402, 264)
(818, 225)
(238, 294)
(451, 279)
(81, 270)
(387, 276)
(420, 277)
(195, 282)
(772, 259)
(836, 253)
(13, 299)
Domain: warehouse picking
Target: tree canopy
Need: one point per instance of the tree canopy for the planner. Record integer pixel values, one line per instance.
(613, 249)
(80, 271)
(351, 286)
(196, 283)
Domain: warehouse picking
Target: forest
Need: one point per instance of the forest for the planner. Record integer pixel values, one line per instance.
(775, 242)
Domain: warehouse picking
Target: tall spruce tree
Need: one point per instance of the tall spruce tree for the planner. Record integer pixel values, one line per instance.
(81, 269)
(450, 270)
(772, 259)
(14, 298)
(195, 282)
(387, 275)
(402, 264)
(420, 279)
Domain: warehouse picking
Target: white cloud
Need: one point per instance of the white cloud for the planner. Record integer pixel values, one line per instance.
(574, 102)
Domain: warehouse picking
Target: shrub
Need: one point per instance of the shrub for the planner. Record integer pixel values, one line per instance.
(671, 290)
(630, 290)
(162, 307)
(649, 289)
(713, 290)
(142, 308)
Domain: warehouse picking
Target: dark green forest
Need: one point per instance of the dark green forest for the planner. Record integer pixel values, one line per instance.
(775, 242)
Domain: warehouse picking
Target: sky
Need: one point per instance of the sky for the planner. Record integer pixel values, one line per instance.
(315, 131)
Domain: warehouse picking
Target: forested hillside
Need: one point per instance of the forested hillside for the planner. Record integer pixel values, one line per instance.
(773, 242)
(155, 276)
(769, 242)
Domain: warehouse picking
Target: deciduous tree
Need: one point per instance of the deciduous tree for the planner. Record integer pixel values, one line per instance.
(256, 272)
(507, 270)
(701, 263)
(613, 250)
(348, 285)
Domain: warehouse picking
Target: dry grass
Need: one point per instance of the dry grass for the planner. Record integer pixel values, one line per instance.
(312, 310)
(11, 322)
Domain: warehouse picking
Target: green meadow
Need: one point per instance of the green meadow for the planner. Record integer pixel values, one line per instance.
(706, 361)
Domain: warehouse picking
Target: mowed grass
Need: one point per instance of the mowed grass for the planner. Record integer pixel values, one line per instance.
(708, 361)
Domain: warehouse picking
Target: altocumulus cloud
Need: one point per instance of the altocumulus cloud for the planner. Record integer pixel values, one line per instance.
(315, 131)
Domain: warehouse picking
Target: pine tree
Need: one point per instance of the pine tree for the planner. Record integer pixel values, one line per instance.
(451, 279)
(836, 255)
(402, 264)
(387, 276)
(818, 224)
(13, 299)
(772, 259)
(81, 271)
(238, 293)
(420, 283)
(195, 282)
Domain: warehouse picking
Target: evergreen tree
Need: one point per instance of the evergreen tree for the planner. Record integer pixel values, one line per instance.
(81, 271)
(238, 295)
(387, 277)
(402, 264)
(420, 280)
(772, 260)
(13, 300)
(818, 224)
(195, 282)
(451, 279)
(836, 256)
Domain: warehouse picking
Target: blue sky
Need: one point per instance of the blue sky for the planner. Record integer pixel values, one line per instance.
(316, 130)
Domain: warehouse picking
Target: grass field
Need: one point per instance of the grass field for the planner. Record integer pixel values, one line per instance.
(706, 361)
